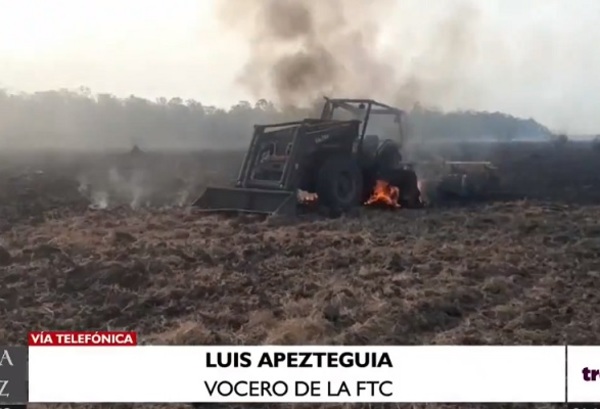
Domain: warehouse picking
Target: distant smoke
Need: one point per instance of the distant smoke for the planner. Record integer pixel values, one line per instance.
(301, 49)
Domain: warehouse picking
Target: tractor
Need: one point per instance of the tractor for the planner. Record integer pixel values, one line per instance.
(335, 162)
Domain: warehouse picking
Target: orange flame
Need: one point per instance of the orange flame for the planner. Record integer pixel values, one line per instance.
(384, 193)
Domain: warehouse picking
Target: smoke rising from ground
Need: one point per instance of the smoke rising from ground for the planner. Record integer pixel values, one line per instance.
(138, 182)
(300, 49)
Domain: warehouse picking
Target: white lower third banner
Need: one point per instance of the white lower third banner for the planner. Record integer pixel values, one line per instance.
(71, 374)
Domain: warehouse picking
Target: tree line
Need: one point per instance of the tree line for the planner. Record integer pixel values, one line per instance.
(80, 119)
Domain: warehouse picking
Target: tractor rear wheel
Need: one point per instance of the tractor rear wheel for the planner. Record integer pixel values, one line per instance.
(339, 183)
(406, 180)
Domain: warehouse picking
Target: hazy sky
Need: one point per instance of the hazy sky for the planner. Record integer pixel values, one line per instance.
(531, 58)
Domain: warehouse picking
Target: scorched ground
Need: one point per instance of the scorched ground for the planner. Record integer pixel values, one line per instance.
(521, 272)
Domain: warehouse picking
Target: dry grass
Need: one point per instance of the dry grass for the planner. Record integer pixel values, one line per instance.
(521, 272)
(516, 273)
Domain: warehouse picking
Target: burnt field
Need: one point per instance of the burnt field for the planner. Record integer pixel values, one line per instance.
(107, 241)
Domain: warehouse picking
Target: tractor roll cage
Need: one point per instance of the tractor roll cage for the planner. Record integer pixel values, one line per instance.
(363, 109)
(360, 108)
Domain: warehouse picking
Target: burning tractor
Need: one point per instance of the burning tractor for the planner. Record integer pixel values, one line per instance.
(349, 157)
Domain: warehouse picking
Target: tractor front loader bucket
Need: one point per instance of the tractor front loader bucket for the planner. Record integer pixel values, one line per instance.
(245, 200)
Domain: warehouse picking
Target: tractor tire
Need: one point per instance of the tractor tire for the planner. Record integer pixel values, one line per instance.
(339, 183)
(410, 196)
(406, 180)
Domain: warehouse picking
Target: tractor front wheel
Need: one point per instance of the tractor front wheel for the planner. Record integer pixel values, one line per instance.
(340, 183)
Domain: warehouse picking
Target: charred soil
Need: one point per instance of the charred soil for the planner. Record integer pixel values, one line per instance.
(516, 272)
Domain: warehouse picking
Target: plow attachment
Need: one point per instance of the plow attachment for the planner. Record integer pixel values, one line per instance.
(244, 200)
